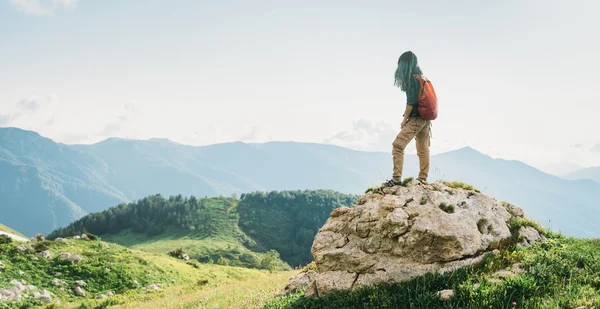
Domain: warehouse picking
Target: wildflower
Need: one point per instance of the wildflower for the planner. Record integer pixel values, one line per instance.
(514, 304)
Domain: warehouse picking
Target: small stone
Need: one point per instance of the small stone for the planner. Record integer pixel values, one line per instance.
(446, 295)
(135, 282)
(84, 237)
(101, 296)
(21, 272)
(60, 240)
(76, 237)
(105, 246)
(58, 274)
(80, 283)
(582, 307)
(110, 293)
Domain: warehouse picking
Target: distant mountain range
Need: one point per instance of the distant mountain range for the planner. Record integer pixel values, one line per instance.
(592, 173)
(45, 185)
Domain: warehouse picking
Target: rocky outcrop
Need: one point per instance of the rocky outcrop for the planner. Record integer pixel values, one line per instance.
(21, 289)
(395, 234)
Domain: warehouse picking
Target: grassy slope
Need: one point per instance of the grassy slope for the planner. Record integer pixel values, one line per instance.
(206, 249)
(250, 293)
(9, 230)
(216, 237)
(111, 269)
(561, 273)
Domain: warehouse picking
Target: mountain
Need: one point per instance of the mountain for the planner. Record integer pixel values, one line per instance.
(592, 173)
(560, 168)
(45, 185)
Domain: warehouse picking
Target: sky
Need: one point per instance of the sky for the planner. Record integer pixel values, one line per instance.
(515, 79)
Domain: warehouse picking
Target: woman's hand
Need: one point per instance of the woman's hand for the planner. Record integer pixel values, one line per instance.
(404, 122)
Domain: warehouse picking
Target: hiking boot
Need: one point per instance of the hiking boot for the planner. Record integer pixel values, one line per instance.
(422, 181)
(392, 182)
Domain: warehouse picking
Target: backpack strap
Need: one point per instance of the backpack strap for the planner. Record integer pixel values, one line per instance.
(422, 80)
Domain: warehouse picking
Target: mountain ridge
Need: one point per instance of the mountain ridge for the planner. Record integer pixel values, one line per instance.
(47, 185)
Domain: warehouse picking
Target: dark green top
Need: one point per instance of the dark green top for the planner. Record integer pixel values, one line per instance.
(412, 96)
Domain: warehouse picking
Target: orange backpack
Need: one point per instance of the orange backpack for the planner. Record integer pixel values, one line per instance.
(428, 104)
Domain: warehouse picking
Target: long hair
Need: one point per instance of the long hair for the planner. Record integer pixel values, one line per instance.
(407, 66)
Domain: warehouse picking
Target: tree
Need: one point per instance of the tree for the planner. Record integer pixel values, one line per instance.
(270, 260)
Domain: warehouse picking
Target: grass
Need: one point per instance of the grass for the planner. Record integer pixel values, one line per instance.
(5, 228)
(105, 269)
(560, 273)
(253, 292)
(206, 250)
(481, 224)
(461, 185)
(447, 208)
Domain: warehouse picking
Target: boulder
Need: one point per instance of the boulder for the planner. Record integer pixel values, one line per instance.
(77, 237)
(446, 295)
(101, 296)
(75, 259)
(398, 233)
(60, 240)
(38, 237)
(530, 236)
(299, 282)
(64, 256)
(46, 254)
(44, 297)
(79, 291)
(24, 248)
(58, 282)
(153, 287)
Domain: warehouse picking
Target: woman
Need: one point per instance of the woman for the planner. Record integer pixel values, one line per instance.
(409, 78)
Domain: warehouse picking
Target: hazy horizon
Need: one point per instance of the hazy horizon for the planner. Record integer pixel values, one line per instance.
(516, 79)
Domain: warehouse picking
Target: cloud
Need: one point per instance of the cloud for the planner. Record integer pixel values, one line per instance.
(31, 105)
(6, 119)
(66, 3)
(259, 134)
(42, 7)
(115, 127)
(366, 136)
(577, 145)
(26, 107)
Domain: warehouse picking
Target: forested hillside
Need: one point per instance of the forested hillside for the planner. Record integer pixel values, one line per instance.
(209, 228)
(288, 221)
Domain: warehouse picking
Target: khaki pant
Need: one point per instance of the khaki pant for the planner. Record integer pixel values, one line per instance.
(417, 128)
